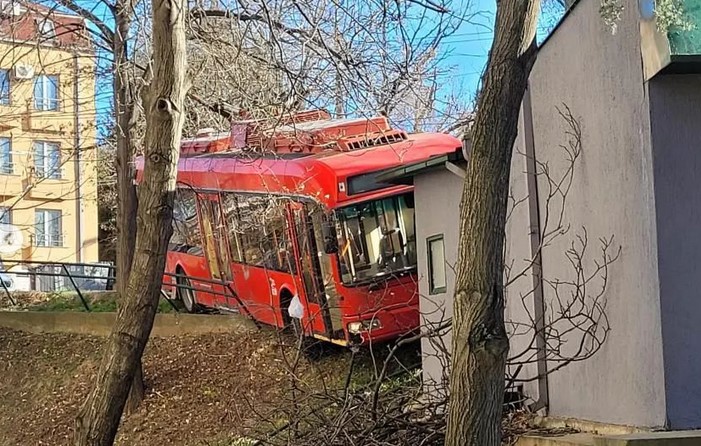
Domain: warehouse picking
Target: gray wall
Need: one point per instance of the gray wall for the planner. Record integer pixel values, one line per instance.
(520, 309)
(599, 76)
(649, 200)
(675, 113)
(437, 212)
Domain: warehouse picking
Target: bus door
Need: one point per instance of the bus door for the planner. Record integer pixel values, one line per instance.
(328, 267)
(216, 245)
(310, 269)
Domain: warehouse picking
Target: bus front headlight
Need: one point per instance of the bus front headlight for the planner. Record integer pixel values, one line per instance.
(355, 327)
(366, 325)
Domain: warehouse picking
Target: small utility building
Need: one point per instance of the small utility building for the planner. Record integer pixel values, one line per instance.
(438, 183)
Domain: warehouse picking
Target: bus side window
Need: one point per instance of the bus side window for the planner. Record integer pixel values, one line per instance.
(186, 228)
(257, 231)
(231, 214)
(269, 234)
(251, 228)
(277, 246)
(287, 255)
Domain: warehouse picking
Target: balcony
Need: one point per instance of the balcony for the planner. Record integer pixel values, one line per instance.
(676, 51)
(47, 240)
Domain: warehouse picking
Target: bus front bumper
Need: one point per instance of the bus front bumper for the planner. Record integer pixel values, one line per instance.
(381, 325)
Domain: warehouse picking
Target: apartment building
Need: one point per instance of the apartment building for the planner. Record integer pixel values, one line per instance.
(48, 178)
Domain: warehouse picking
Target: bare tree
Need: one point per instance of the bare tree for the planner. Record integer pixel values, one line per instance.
(126, 99)
(572, 310)
(99, 417)
(357, 59)
(480, 341)
(107, 201)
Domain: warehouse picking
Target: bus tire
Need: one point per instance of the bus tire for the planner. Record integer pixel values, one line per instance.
(185, 295)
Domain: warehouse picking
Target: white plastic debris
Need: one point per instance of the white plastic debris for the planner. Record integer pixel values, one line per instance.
(296, 310)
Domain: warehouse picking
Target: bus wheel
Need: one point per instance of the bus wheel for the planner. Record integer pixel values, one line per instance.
(186, 295)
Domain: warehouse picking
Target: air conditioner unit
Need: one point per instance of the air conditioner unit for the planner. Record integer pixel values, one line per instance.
(23, 71)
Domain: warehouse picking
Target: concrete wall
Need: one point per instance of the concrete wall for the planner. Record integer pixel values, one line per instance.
(647, 199)
(599, 76)
(675, 111)
(612, 194)
(437, 197)
(520, 309)
(437, 212)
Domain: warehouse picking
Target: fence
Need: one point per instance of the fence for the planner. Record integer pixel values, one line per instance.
(87, 277)
(54, 276)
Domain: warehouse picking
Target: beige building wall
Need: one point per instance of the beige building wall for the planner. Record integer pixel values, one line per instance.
(72, 126)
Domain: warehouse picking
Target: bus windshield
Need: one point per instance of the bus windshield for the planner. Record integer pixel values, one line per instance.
(376, 238)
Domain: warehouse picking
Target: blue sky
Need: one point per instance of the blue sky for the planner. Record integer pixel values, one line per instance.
(468, 48)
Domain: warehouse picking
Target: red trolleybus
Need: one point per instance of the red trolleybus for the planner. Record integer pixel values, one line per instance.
(294, 223)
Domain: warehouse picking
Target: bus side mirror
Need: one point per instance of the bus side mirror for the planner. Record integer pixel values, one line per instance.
(330, 240)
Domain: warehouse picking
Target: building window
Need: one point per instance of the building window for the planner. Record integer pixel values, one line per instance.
(436, 265)
(47, 228)
(46, 92)
(47, 160)
(4, 87)
(46, 29)
(5, 156)
(5, 215)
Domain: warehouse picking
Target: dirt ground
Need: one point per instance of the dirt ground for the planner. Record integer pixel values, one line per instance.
(204, 390)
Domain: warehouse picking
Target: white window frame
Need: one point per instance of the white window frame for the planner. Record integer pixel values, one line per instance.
(6, 169)
(5, 99)
(46, 103)
(51, 216)
(47, 171)
(436, 264)
(46, 28)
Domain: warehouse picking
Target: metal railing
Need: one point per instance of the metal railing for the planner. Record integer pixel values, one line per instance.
(38, 269)
(63, 270)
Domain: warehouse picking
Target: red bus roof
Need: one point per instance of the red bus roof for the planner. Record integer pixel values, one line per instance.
(322, 176)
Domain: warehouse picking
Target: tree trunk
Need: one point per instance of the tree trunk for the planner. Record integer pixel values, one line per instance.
(480, 344)
(124, 103)
(99, 416)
